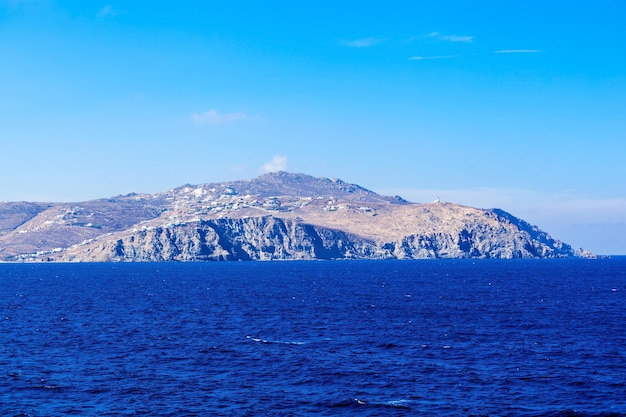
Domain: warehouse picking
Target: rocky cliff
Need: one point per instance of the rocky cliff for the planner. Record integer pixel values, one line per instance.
(276, 216)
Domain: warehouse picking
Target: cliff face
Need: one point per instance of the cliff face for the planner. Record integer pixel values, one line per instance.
(259, 238)
(276, 216)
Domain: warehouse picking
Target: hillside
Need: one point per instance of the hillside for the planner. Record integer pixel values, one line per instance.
(276, 216)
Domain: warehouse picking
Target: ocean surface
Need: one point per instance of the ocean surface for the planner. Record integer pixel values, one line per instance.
(418, 338)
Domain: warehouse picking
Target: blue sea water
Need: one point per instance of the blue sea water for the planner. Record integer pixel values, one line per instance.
(425, 338)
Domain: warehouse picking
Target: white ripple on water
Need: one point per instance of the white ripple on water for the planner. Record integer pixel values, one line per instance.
(279, 342)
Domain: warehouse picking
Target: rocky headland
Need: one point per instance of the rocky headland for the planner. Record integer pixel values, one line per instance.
(277, 216)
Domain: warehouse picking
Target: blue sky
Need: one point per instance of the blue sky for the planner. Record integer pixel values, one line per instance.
(517, 105)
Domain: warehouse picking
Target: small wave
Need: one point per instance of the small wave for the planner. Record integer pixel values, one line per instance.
(50, 387)
(352, 402)
(278, 342)
(405, 404)
(358, 403)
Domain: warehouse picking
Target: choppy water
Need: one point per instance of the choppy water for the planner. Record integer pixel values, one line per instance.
(445, 338)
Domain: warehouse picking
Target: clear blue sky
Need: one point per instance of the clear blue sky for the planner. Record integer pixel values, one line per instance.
(517, 105)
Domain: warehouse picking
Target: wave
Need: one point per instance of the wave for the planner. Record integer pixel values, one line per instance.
(361, 403)
(278, 342)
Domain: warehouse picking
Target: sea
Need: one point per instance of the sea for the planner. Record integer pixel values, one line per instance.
(319, 338)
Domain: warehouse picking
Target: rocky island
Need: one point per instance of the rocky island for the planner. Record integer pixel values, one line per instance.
(278, 216)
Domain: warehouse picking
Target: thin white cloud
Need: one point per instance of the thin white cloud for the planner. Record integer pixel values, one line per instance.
(363, 42)
(423, 58)
(109, 11)
(278, 163)
(519, 51)
(213, 117)
(450, 38)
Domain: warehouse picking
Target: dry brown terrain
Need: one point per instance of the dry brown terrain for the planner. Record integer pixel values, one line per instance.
(276, 216)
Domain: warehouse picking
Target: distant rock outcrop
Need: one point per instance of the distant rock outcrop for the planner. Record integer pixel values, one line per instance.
(276, 216)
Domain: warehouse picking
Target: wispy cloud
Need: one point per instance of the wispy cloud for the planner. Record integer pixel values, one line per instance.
(363, 42)
(278, 163)
(423, 58)
(519, 51)
(109, 11)
(450, 38)
(213, 117)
